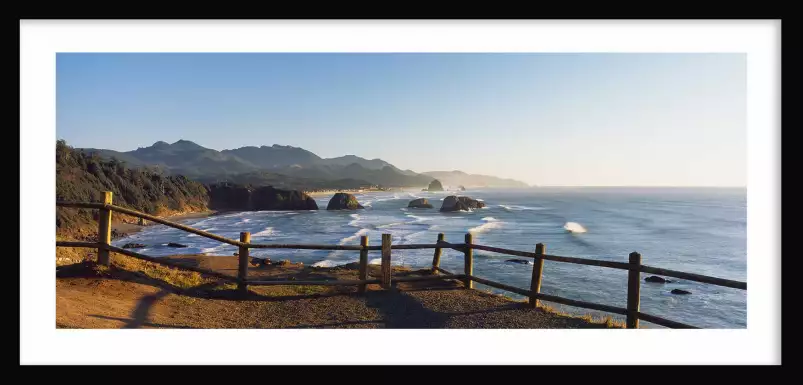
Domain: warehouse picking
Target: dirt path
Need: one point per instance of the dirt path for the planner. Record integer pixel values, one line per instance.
(126, 297)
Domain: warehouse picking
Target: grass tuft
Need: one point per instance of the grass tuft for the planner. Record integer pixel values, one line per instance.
(173, 276)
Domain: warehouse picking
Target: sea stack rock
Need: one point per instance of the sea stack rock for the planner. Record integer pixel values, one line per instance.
(228, 196)
(269, 198)
(454, 203)
(656, 279)
(435, 185)
(522, 261)
(343, 201)
(462, 188)
(420, 203)
(680, 291)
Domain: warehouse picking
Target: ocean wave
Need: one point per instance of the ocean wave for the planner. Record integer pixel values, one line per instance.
(388, 225)
(490, 224)
(264, 233)
(375, 261)
(519, 208)
(574, 227)
(326, 263)
(354, 237)
(419, 219)
(208, 250)
(355, 219)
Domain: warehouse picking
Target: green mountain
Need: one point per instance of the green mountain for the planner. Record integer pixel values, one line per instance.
(81, 176)
(265, 165)
(274, 157)
(373, 164)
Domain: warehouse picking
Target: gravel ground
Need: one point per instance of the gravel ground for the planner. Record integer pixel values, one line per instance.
(129, 299)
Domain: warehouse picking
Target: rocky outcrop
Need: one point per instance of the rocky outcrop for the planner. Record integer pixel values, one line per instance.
(656, 279)
(228, 196)
(522, 261)
(343, 201)
(260, 262)
(462, 188)
(173, 244)
(269, 198)
(679, 291)
(420, 203)
(454, 203)
(435, 185)
(133, 246)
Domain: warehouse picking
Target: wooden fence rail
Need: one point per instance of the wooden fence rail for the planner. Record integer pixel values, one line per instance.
(633, 266)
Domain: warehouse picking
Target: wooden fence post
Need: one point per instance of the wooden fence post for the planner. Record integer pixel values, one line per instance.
(436, 259)
(386, 260)
(538, 271)
(242, 271)
(633, 290)
(363, 263)
(468, 267)
(105, 229)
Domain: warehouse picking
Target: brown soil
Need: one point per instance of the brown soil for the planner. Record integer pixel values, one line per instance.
(137, 294)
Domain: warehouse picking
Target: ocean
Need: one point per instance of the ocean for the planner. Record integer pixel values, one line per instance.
(697, 230)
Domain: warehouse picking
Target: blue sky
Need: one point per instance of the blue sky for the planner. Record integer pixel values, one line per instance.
(549, 119)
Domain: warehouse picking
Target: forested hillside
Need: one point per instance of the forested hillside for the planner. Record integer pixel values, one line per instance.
(82, 176)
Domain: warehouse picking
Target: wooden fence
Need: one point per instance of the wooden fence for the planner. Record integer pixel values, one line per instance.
(633, 266)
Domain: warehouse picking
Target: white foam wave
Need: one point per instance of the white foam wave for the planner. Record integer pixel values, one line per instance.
(208, 250)
(389, 225)
(325, 263)
(490, 224)
(574, 227)
(375, 261)
(419, 219)
(356, 218)
(518, 208)
(264, 233)
(354, 237)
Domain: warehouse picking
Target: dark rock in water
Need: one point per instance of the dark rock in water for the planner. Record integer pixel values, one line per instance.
(421, 203)
(462, 188)
(656, 279)
(228, 196)
(680, 291)
(133, 246)
(522, 261)
(173, 244)
(343, 201)
(435, 185)
(269, 198)
(454, 203)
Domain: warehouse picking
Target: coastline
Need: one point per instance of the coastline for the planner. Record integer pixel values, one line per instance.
(133, 228)
(333, 192)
